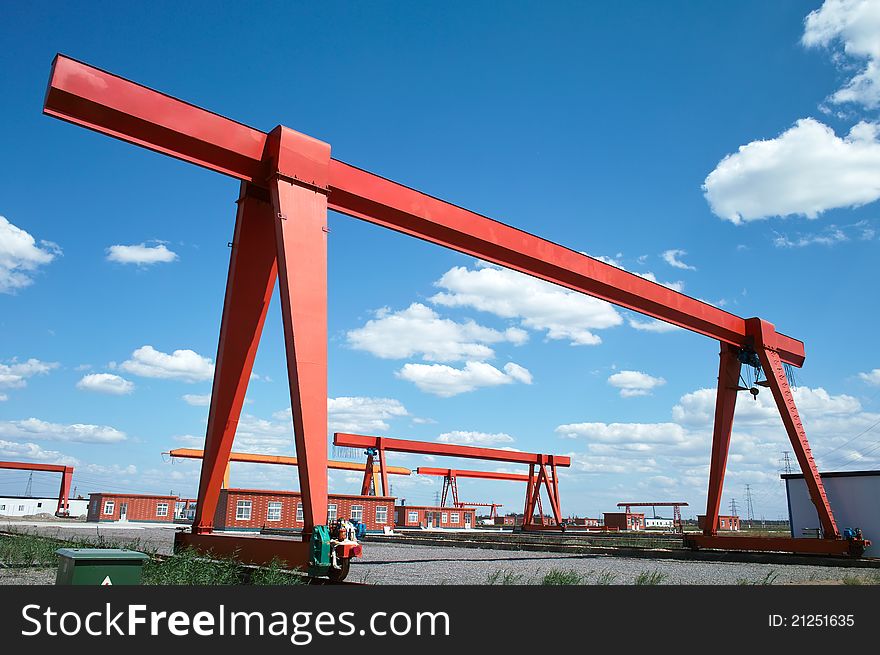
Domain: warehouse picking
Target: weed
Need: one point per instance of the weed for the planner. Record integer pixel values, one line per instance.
(502, 577)
(558, 577)
(606, 578)
(768, 579)
(650, 578)
(276, 574)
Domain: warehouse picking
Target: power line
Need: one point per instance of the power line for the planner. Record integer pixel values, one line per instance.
(750, 510)
(733, 507)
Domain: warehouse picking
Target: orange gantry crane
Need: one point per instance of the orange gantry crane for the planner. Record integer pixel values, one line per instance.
(372, 489)
(289, 182)
(66, 472)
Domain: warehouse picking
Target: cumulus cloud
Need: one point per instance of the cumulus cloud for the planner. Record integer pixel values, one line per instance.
(141, 254)
(538, 305)
(3, 397)
(357, 414)
(185, 365)
(20, 256)
(871, 377)
(32, 452)
(465, 438)
(106, 383)
(14, 375)
(854, 25)
(673, 258)
(805, 171)
(635, 383)
(366, 415)
(197, 400)
(446, 381)
(419, 330)
(33, 428)
(651, 325)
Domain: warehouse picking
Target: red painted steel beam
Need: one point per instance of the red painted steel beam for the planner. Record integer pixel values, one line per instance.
(448, 450)
(481, 475)
(112, 105)
(849, 547)
(282, 460)
(28, 466)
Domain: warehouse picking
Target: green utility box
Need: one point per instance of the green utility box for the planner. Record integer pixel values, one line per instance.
(99, 566)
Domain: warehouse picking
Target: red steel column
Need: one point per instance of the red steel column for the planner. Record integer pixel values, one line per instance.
(299, 194)
(368, 476)
(529, 507)
(64, 492)
(765, 342)
(725, 404)
(383, 470)
(249, 286)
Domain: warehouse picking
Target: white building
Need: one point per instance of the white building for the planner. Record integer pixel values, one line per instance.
(658, 523)
(853, 498)
(24, 506)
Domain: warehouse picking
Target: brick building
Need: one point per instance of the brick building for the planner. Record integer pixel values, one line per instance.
(582, 522)
(625, 520)
(252, 510)
(135, 508)
(724, 522)
(415, 516)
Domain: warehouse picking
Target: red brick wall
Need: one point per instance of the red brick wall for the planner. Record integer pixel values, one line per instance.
(139, 508)
(622, 520)
(403, 519)
(225, 518)
(730, 522)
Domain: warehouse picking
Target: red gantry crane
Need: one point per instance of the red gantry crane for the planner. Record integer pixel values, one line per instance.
(66, 472)
(493, 512)
(450, 485)
(289, 181)
(542, 468)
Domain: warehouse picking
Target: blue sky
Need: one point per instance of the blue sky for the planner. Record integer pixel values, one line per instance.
(729, 151)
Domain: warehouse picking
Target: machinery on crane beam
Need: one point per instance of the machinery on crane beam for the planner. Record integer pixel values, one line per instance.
(450, 485)
(63, 509)
(373, 489)
(289, 181)
(542, 468)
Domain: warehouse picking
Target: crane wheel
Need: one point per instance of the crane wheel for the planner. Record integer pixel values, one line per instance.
(338, 575)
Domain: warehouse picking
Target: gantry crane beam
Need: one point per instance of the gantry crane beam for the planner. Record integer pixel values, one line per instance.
(63, 508)
(542, 469)
(676, 511)
(289, 182)
(283, 460)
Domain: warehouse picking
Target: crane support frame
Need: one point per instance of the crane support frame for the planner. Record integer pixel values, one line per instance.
(288, 183)
(63, 508)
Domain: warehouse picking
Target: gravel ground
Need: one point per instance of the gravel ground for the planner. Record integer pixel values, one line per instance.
(407, 564)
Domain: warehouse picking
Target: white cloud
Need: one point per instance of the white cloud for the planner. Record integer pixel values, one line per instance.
(3, 397)
(111, 470)
(651, 325)
(20, 256)
(185, 365)
(855, 24)
(420, 330)
(635, 383)
(364, 415)
(871, 377)
(106, 383)
(829, 237)
(197, 400)
(673, 258)
(141, 254)
(538, 305)
(465, 438)
(806, 170)
(446, 381)
(15, 374)
(34, 453)
(33, 428)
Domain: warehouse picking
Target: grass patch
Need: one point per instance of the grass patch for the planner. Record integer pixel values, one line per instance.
(768, 579)
(606, 578)
(502, 577)
(650, 578)
(558, 577)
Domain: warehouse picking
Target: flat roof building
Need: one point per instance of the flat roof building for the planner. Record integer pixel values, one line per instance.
(134, 508)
